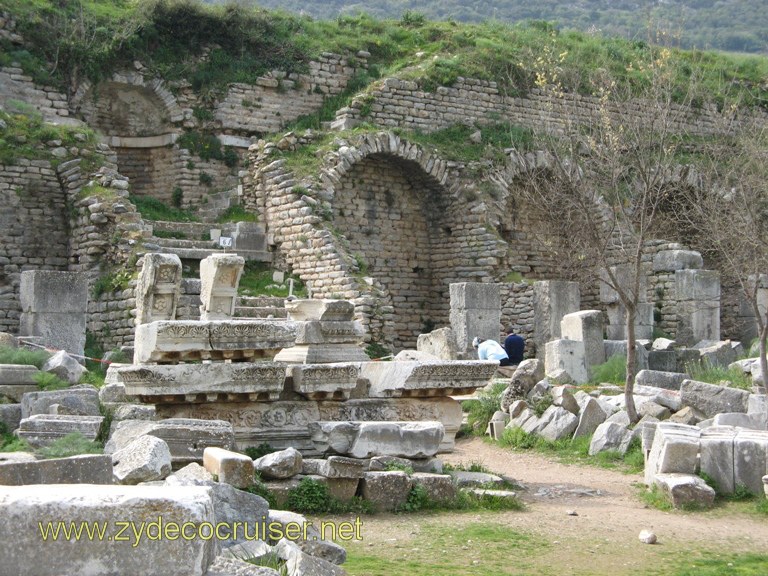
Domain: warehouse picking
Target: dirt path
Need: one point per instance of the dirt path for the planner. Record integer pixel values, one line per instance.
(602, 538)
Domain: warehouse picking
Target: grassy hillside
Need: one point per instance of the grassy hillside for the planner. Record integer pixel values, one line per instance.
(734, 25)
(213, 46)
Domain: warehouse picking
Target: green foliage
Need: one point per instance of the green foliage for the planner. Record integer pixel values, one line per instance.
(270, 560)
(576, 450)
(48, 381)
(24, 356)
(257, 281)
(541, 404)
(169, 234)
(488, 402)
(106, 425)
(706, 372)
(418, 499)
(313, 497)
(376, 350)
(612, 371)
(72, 444)
(206, 146)
(655, 498)
(453, 143)
(206, 179)
(761, 506)
(177, 197)
(153, 209)
(26, 135)
(399, 467)
(9, 442)
(237, 213)
(111, 282)
(256, 452)
(260, 489)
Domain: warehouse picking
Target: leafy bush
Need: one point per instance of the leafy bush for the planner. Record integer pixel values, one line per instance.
(313, 497)
(111, 282)
(418, 499)
(23, 356)
(256, 452)
(72, 444)
(9, 442)
(612, 371)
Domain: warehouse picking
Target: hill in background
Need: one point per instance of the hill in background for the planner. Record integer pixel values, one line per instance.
(732, 25)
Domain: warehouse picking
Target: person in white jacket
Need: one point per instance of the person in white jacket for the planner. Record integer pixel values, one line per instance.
(490, 350)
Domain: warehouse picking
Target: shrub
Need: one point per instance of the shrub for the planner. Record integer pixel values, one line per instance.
(612, 371)
(488, 402)
(48, 381)
(376, 350)
(153, 209)
(256, 452)
(237, 213)
(9, 442)
(72, 444)
(23, 356)
(706, 372)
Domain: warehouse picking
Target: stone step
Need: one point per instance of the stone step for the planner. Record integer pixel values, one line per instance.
(260, 312)
(187, 244)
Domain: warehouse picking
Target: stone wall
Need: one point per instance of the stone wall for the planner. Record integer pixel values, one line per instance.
(517, 312)
(34, 230)
(17, 86)
(400, 103)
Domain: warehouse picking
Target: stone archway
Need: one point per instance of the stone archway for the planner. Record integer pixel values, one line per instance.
(389, 212)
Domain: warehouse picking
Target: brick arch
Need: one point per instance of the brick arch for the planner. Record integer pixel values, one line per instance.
(389, 200)
(128, 106)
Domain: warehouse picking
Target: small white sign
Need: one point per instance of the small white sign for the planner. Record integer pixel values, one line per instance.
(225, 241)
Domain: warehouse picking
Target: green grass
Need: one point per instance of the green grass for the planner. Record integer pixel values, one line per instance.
(482, 409)
(10, 443)
(474, 548)
(72, 444)
(575, 451)
(47, 381)
(237, 213)
(257, 281)
(612, 371)
(705, 372)
(24, 356)
(26, 136)
(713, 564)
(154, 209)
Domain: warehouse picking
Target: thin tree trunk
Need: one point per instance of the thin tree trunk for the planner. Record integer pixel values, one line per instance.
(629, 383)
(763, 359)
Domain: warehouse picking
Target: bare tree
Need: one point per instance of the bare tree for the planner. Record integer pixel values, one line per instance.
(601, 181)
(727, 211)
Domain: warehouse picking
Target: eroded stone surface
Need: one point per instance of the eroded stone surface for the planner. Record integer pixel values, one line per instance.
(415, 379)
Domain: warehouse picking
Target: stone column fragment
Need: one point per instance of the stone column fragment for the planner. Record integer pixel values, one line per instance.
(158, 288)
(219, 277)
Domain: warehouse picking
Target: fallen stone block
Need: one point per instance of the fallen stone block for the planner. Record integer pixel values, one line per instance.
(465, 479)
(230, 467)
(187, 438)
(659, 379)
(560, 424)
(737, 419)
(489, 492)
(83, 469)
(757, 408)
(439, 487)
(567, 355)
(750, 459)
(440, 343)
(334, 381)
(685, 490)
(42, 429)
(233, 566)
(65, 367)
(654, 411)
(313, 545)
(298, 563)
(687, 415)
(10, 416)
(334, 437)
(405, 439)
(675, 449)
(333, 467)
(134, 412)
(562, 397)
(40, 402)
(590, 417)
(279, 465)
(24, 507)
(524, 378)
(386, 490)
(144, 460)
(711, 399)
(342, 489)
(610, 436)
(716, 456)
(193, 383)
(417, 379)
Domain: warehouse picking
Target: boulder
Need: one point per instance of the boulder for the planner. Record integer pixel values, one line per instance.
(298, 563)
(687, 415)
(145, 459)
(82, 469)
(685, 490)
(562, 397)
(311, 541)
(234, 566)
(230, 467)
(386, 490)
(23, 507)
(654, 411)
(675, 449)
(439, 487)
(440, 343)
(711, 399)
(527, 373)
(84, 398)
(590, 417)
(65, 367)
(278, 465)
(561, 424)
(659, 379)
(610, 436)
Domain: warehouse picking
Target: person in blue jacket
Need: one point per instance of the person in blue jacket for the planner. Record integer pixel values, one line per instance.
(514, 346)
(490, 350)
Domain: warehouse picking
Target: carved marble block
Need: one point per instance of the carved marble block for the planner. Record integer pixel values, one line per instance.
(409, 379)
(190, 340)
(325, 381)
(158, 288)
(195, 383)
(219, 279)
